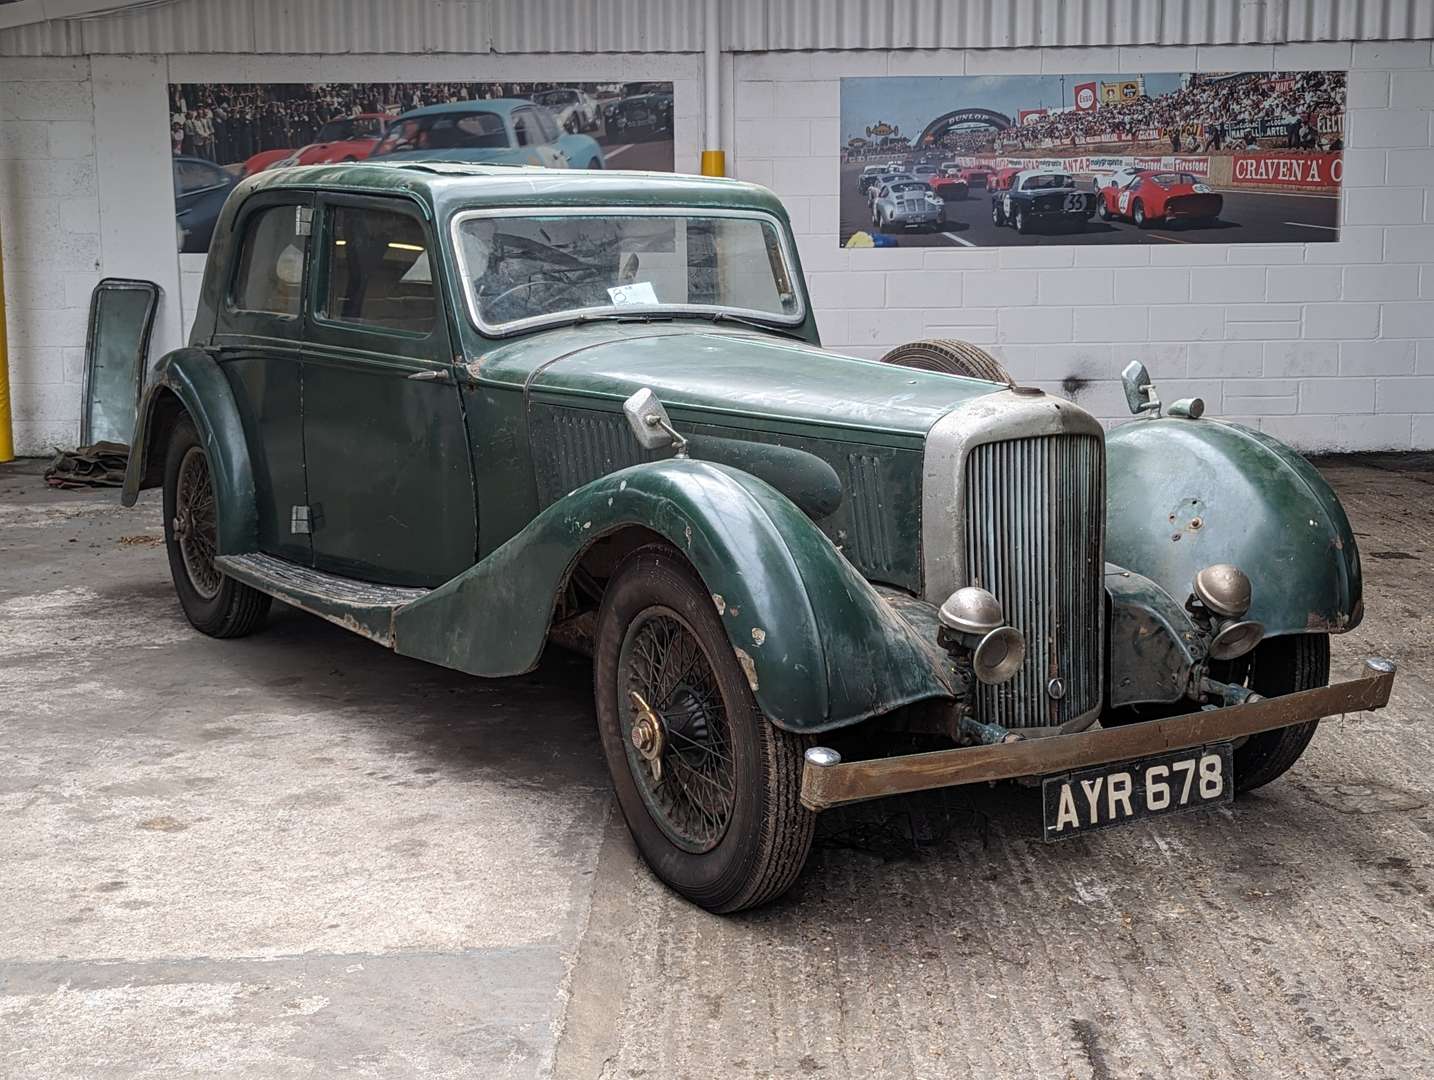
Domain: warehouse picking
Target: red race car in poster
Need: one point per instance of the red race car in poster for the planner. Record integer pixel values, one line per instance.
(347, 138)
(1152, 197)
(948, 185)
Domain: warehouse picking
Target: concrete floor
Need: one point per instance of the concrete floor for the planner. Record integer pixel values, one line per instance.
(299, 855)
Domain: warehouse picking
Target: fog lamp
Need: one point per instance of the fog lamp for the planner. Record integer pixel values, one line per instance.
(1236, 639)
(1224, 590)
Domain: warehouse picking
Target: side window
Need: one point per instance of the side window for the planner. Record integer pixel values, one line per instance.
(547, 126)
(523, 129)
(270, 275)
(191, 176)
(378, 271)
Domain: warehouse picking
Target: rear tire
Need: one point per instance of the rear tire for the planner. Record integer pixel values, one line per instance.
(1281, 665)
(1137, 215)
(997, 218)
(213, 603)
(1022, 226)
(949, 357)
(734, 833)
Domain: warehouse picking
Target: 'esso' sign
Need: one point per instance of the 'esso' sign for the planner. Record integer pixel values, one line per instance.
(1085, 97)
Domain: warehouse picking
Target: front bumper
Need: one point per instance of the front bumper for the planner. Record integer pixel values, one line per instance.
(828, 785)
(913, 220)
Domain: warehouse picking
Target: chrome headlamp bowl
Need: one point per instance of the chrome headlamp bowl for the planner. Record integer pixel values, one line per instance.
(1224, 589)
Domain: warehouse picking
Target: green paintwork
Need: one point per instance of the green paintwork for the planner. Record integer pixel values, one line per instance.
(192, 376)
(780, 384)
(480, 490)
(1258, 504)
(1153, 648)
(821, 647)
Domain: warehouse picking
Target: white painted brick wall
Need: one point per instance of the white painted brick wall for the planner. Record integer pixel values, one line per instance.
(1330, 346)
(49, 221)
(1327, 345)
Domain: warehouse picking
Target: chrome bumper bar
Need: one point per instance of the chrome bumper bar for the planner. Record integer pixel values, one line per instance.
(828, 782)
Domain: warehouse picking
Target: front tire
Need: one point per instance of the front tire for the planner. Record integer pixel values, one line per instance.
(997, 218)
(708, 785)
(214, 604)
(1281, 665)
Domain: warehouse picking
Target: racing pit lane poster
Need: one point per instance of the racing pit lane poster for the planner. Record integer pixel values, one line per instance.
(221, 133)
(1244, 157)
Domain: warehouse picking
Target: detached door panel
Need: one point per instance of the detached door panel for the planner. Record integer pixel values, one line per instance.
(389, 477)
(258, 341)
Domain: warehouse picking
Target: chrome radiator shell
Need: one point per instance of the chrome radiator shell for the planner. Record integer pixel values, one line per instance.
(1013, 500)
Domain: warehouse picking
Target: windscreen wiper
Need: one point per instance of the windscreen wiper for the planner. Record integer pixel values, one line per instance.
(727, 316)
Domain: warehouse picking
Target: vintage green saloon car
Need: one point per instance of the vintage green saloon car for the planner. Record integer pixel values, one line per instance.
(467, 410)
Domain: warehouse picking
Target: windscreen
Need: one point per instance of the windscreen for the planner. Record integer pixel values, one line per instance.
(558, 266)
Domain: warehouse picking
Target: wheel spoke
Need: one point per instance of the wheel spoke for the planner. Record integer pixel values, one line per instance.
(663, 662)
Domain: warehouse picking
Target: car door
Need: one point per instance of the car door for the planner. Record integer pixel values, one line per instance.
(258, 343)
(391, 495)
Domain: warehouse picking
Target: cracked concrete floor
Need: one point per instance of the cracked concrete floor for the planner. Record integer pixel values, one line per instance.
(298, 855)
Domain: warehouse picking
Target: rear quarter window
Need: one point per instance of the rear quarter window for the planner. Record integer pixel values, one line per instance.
(269, 276)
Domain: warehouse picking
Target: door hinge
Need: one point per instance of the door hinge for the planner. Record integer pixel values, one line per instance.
(303, 220)
(300, 520)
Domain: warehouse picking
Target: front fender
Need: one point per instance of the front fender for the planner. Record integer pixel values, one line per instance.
(821, 649)
(1184, 494)
(192, 378)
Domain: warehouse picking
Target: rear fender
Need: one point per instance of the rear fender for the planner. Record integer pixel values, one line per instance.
(579, 150)
(1184, 494)
(820, 647)
(188, 381)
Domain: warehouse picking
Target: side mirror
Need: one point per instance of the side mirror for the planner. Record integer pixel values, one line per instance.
(1139, 390)
(650, 423)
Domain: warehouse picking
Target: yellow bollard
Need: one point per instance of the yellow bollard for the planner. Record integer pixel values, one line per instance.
(714, 163)
(7, 432)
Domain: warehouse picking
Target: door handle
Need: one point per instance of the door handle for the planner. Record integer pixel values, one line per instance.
(430, 376)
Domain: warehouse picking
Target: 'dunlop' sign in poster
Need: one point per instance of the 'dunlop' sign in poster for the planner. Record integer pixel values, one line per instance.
(1158, 158)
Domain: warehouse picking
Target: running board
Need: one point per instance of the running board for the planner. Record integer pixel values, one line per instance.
(359, 606)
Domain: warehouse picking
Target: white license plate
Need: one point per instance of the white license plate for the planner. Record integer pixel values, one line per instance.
(1116, 794)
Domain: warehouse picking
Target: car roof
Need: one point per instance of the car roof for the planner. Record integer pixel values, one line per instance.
(1027, 173)
(498, 105)
(445, 185)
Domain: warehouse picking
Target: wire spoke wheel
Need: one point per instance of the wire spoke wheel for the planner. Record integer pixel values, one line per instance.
(194, 524)
(676, 730)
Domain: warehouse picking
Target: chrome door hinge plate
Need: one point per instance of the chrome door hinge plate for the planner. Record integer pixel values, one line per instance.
(303, 220)
(300, 520)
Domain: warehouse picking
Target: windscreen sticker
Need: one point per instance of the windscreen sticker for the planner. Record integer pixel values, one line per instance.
(639, 292)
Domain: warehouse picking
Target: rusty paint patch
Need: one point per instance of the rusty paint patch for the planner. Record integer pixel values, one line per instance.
(758, 636)
(720, 602)
(749, 667)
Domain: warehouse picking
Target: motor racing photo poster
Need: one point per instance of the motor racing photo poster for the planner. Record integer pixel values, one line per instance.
(221, 133)
(1245, 157)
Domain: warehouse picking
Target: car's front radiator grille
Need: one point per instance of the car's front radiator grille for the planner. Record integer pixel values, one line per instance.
(1035, 514)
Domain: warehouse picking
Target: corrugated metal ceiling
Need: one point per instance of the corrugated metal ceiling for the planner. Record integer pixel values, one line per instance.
(587, 26)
